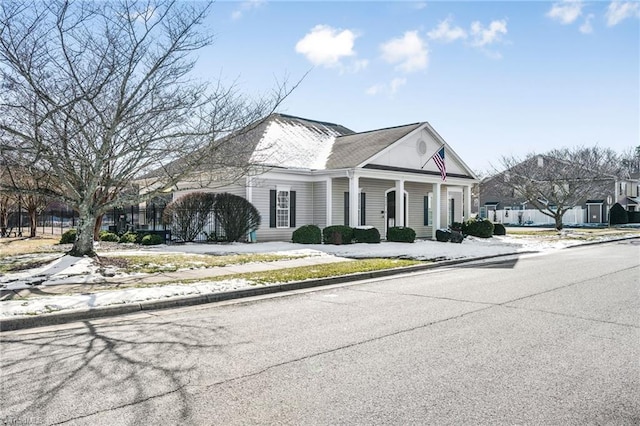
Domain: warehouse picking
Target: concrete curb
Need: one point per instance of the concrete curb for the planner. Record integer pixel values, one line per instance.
(33, 321)
(62, 317)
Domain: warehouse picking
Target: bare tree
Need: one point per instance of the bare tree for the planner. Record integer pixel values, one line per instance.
(630, 160)
(559, 180)
(99, 94)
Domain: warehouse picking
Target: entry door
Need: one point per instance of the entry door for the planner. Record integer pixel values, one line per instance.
(391, 209)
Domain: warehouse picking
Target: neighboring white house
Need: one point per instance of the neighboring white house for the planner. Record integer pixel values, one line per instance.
(312, 172)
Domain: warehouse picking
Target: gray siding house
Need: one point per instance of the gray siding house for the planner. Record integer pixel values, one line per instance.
(312, 172)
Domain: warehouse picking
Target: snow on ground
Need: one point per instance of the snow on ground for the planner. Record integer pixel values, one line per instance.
(73, 270)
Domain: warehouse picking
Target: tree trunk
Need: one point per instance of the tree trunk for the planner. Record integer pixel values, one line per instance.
(33, 223)
(96, 228)
(83, 246)
(558, 219)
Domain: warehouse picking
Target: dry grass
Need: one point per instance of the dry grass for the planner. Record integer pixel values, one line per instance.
(19, 246)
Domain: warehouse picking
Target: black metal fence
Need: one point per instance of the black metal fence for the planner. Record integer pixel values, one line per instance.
(56, 221)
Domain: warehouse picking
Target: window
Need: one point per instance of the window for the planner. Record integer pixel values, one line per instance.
(428, 210)
(282, 209)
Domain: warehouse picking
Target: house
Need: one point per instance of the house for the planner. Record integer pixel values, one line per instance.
(312, 172)
(501, 203)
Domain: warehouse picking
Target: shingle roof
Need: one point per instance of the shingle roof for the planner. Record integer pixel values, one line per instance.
(352, 150)
(295, 142)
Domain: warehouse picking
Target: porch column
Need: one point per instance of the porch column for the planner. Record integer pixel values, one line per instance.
(400, 202)
(436, 209)
(329, 197)
(466, 194)
(354, 196)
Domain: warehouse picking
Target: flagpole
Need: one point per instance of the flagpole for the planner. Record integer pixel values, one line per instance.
(432, 155)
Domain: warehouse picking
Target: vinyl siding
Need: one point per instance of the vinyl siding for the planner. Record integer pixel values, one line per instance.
(415, 217)
(304, 207)
(376, 202)
(339, 187)
(319, 205)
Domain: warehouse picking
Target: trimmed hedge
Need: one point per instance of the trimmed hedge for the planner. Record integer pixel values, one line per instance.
(456, 237)
(307, 234)
(337, 234)
(128, 237)
(109, 236)
(401, 234)
(366, 235)
(69, 237)
(499, 229)
(151, 240)
(443, 235)
(634, 217)
(478, 228)
(618, 215)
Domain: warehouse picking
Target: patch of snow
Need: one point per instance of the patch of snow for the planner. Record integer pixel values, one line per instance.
(291, 144)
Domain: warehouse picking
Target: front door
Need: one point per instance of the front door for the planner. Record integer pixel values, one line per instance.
(391, 209)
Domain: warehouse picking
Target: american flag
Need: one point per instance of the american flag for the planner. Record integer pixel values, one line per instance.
(438, 158)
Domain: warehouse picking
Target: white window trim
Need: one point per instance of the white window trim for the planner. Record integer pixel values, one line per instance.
(286, 189)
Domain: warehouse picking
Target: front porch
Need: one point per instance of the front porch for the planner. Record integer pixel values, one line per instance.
(367, 198)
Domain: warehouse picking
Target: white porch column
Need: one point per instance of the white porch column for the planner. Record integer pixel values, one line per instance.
(249, 189)
(400, 202)
(354, 195)
(466, 196)
(329, 204)
(436, 209)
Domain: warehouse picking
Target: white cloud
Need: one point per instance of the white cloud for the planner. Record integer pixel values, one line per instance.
(409, 52)
(484, 36)
(618, 11)
(566, 11)
(446, 33)
(387, 89)
(245, 7)
(326, 46)
(356, 66)
(586, 27)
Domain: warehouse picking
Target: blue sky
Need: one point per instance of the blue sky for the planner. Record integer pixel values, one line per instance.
(493, 78)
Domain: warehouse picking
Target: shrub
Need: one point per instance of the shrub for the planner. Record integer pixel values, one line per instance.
(236, 215)
(109, 236)
(337, 234)
(499, 229)
(482, 228)
(456, 226)
(307, 234)
(634, 217)
(443, 235)
(456, 237)
(188, 214)
(69, 237)
(401, 234)
(366, 235)
(618, 215)
(151, 240)
(128, 237)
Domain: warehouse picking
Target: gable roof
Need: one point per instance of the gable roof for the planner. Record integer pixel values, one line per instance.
(352, 150)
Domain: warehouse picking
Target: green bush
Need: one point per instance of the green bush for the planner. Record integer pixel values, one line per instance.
(401, 234)
(128, 237)
(634, 217)
(456, 237)
(337, 234)
(366, 235)
(618, 215)
(151, 240)
(307, 234)
(69, 237)
(443, 235)
(109, 236)
(482, 228)
(499, 229)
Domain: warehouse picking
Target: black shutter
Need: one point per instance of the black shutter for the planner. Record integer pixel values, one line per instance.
(426, 210)
(363, 210)
(346, 208)
(292, 209)
(272, 208)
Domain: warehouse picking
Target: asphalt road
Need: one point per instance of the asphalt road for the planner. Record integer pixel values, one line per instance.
(549, 339)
